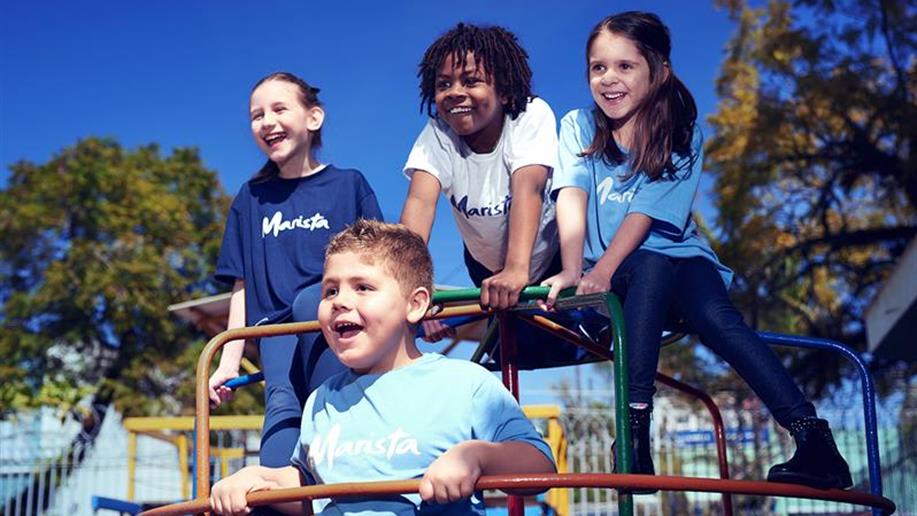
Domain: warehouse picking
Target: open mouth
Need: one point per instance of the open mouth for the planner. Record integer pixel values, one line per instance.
(613, 96)
(346, 329)
(274, 138)
(459, 110)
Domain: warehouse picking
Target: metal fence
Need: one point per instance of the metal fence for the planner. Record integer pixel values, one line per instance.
(683, 444)
(60, 479)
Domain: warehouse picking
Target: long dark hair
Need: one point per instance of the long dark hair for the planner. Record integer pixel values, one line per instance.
(504, 61)
(308, 97)
(664, 121)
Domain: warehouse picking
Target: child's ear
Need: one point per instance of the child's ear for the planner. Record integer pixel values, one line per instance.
(315, 117)
(418, 303)
(666, 71)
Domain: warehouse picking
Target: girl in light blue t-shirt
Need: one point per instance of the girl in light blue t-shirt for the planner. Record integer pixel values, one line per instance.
(627, 175)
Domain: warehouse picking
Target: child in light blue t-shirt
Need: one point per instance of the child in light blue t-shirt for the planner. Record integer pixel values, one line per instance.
(396, 413)
(628, 172)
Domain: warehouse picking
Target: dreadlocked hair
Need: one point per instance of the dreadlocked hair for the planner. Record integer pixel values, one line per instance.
(505, 62)
(308, 97)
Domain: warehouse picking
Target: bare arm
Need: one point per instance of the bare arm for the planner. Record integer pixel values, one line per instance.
(418, 214)
(228, 495)
(232, 351)
(420, 206)
(628, 238)
(527, 186)
(571, 228)
(452, 476)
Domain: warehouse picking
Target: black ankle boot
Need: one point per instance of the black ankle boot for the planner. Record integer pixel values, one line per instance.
(642, 463)
(816, 463)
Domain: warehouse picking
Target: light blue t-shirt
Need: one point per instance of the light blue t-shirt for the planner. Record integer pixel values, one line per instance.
(667, 200)
(392, 426)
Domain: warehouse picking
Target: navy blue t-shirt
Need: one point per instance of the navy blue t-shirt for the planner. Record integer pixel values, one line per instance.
(276, 234)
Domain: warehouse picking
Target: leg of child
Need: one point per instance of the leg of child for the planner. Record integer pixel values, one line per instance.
(703, 301)
(319, 362)
(644, 282)
(284, 396)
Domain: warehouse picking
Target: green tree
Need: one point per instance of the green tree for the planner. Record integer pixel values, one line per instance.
(814, 156)
(97, 242)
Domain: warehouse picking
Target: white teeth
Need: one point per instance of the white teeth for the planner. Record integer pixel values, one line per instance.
(612, 96)
(459, 110)
(273, 138)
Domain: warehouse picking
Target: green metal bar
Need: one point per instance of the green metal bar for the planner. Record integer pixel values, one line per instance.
(473, 294)
(622, 406)
(487, 343)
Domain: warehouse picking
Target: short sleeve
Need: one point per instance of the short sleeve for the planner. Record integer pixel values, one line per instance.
(668, 200)
(573, 170)
(366, 200)
(534, 137)
(432, 153)
(230, 264)
(497, 417)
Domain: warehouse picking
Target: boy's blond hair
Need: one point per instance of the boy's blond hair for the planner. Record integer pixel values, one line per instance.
(394, 247)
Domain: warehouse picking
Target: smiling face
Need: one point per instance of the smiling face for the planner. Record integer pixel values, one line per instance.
(467, 100)
(365, 315)
(619, 77)
(282, 126)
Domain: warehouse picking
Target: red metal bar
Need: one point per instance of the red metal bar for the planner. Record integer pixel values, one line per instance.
(515, 505)
(547, 481)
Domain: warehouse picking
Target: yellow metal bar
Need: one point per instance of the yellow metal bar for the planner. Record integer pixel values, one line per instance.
(248, 366)
(557, 498)
(541, 411)
(151, 424)
(131, 464)
(184, 472)
(224, 455)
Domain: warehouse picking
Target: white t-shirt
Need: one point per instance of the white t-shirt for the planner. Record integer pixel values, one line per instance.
(478, 185)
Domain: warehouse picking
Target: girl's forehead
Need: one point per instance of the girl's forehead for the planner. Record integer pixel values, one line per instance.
(273, 90)
(607, 41)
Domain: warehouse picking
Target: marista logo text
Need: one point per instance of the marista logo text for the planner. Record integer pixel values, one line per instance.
(276, 224)
(501, 208)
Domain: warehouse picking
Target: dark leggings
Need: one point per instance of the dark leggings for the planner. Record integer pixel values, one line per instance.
(656, 288)
(293, 366)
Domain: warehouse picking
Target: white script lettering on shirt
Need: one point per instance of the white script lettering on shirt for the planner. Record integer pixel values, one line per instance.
(398, 442)
(605, 192)
(276, 224)
(501, 208)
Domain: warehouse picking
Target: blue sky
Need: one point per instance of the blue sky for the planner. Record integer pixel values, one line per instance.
(179, 73)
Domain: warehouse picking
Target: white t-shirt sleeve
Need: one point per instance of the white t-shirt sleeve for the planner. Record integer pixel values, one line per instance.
(534, 137)
(431, 153)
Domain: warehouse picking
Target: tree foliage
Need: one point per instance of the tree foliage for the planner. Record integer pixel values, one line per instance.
(814, 157)
(97, 242)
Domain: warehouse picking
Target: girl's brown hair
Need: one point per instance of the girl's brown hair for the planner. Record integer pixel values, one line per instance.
(664, 121)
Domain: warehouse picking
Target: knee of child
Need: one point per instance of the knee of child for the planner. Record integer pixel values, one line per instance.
(653, 267)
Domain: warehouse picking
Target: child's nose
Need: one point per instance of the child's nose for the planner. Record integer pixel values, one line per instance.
(456, 90)
(608, 78)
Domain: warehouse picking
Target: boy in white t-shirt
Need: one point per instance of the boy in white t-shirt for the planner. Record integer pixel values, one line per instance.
(490, 147)
(396, 413)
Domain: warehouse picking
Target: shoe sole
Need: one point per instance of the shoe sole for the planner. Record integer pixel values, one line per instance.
(810, 481)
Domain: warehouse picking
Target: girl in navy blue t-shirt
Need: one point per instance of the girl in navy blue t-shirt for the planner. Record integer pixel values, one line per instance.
(273, 253)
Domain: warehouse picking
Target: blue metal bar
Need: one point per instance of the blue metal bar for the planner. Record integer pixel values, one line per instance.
(869, 398)
(245, 379)
(113, 504)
